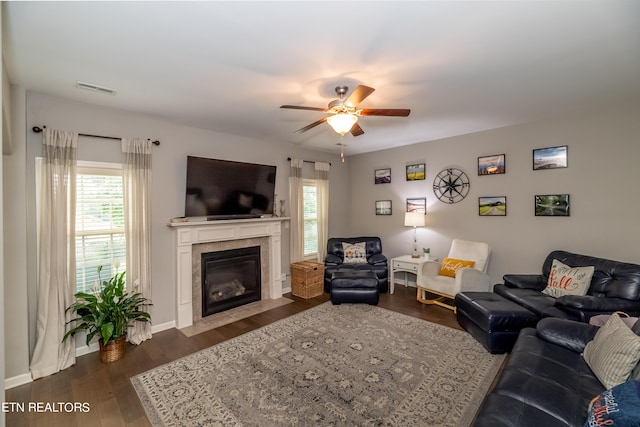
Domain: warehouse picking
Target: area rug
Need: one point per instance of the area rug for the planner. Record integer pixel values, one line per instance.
(355, 365)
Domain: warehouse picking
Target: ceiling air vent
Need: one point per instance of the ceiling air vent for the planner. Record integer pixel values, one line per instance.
(95, 88)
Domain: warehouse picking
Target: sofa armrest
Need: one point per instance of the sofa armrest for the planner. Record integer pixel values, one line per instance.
(470, 279)
(332, 259)
(597, 304)
(566, 333)
(525, 281)
(377, 259)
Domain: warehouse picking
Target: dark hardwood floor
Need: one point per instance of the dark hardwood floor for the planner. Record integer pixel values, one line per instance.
(109, 393)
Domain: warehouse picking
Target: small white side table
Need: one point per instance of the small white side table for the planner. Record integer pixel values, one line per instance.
(409, 265)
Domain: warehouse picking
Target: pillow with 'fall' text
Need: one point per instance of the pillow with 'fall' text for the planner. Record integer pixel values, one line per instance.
(565, 280)
(450, 266)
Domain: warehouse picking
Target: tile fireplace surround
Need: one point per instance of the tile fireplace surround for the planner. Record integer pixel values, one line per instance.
(191, 238)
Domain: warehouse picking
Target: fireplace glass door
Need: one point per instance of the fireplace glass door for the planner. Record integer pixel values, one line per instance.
(230, 278)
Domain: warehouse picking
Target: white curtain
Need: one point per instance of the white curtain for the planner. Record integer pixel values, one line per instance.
(322, 188)
(56, 253)
(297, 217)
(136, 179)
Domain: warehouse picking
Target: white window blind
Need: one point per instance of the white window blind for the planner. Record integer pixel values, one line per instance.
(310, 215)
(99, 225)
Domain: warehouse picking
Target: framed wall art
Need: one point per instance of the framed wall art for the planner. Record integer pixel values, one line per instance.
(491, 165)
(416, 172)
(383, 176)
(492, 206)
(552, 205)
(417, 205)
(550, 158)
(383, 207)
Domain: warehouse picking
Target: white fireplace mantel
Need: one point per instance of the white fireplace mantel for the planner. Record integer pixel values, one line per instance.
(190, 233)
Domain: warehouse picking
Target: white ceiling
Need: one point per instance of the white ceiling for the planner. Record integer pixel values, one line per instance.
(459, 66)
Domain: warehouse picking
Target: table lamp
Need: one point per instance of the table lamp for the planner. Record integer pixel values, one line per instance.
(414, 219)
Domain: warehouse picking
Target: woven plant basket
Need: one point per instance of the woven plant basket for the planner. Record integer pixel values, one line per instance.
(114, 350)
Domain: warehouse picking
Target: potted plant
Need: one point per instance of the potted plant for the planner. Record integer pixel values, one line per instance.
(108, 312)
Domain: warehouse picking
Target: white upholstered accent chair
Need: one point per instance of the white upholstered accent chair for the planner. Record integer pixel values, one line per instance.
(466, 279)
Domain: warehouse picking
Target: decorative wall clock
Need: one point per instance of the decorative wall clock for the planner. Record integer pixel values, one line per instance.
(451, 185)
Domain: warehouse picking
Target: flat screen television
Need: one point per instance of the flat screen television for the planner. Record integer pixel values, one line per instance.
(223, 189)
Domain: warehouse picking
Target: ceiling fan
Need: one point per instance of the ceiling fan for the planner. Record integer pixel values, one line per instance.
(343, 113)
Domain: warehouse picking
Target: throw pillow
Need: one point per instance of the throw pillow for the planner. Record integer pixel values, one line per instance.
(635, 374)
(619, 407)
(565, 280)
(613, 352)
(450, 266)
(354, 253)
(601, 319)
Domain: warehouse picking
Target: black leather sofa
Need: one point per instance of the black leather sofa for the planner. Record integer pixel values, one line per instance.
(545, 382)
(615, 286)
(376, 261)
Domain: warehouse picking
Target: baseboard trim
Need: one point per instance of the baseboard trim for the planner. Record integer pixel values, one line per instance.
(22, 379)
(17, 381)
(86, 349)
(163, 327)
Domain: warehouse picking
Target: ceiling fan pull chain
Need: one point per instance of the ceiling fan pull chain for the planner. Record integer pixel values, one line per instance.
(342, 148)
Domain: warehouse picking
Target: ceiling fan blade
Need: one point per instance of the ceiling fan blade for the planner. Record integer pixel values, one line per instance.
(358, 95)
(396, 112)
(356, 130)
(298, 107)
(312, 125)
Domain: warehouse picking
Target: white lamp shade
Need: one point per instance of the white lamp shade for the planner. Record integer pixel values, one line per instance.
(342, 123)
(414, 219)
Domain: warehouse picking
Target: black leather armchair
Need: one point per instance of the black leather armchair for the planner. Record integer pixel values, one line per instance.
(615, 286)
(376, 261)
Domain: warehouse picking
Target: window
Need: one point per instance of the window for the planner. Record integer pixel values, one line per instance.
(310, 215)
(100, 239)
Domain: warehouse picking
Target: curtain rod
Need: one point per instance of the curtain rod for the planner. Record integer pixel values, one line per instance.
(310, 161)
(37, 129)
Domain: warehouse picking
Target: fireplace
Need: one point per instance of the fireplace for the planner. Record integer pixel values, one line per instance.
(194, 238)
(230, 278)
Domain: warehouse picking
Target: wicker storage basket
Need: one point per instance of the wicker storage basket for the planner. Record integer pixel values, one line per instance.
(307, 279)
(114, 350)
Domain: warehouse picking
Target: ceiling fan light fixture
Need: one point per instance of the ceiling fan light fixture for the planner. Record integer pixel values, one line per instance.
(342, 122)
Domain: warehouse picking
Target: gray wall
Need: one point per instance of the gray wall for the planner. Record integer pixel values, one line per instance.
(169, 163)
(602, 180)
